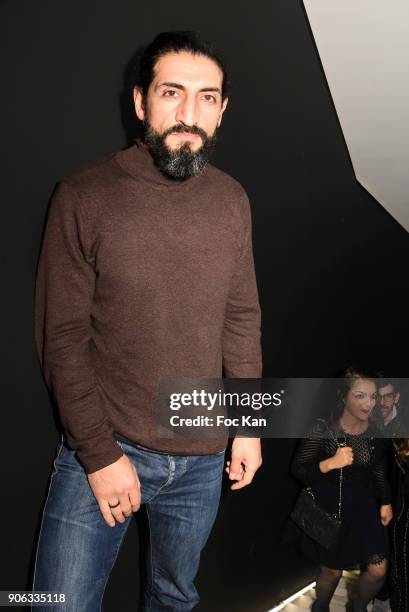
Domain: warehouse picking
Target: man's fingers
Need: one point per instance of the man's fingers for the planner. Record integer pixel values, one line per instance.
(117, 511)
(246, 480)
(122, 510)
(235, 469)
(116, 488)
(125, 505)
(135, 493)
(106, 512)
(135, 498)
(228, 468)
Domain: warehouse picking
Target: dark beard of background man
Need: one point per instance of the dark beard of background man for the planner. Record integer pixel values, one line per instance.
(182, 163)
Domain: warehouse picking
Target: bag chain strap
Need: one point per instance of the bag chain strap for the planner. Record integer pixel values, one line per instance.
(341, 471)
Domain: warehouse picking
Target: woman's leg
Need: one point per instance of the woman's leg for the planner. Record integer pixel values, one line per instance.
(327, 582)
(369, 583)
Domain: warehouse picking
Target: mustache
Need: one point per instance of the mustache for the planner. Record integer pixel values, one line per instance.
(191, 129)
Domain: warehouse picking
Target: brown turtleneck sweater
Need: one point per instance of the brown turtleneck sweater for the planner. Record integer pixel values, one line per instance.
(142, 278)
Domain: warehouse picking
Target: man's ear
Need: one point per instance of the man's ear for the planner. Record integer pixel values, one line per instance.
(223, 108)
(397, 397)
(138, 102)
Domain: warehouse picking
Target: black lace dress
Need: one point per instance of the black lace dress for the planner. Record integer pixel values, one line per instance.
(363, 538)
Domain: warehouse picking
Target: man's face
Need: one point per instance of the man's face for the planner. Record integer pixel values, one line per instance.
(182, 110)
(387, 398)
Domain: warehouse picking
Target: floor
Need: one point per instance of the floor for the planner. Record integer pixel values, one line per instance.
(339, 600)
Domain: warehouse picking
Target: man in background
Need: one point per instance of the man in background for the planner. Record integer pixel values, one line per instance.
(390, 411)
(391, 421)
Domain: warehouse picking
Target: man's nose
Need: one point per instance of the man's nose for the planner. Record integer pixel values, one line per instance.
(188, 111)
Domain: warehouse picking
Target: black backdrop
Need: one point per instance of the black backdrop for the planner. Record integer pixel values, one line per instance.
(330, 261)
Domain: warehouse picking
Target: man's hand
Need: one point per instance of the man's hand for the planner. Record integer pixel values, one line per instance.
(386, 514)
(117, 482)
(245, 461)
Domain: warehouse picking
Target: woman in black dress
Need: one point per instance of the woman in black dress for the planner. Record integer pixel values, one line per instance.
(348, 440)
(399, 599)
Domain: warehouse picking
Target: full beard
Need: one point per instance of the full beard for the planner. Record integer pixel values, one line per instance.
(181, 163)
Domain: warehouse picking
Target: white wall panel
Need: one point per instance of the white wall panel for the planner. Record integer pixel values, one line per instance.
(364, 49)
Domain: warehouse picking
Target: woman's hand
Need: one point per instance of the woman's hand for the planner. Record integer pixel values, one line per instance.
(386, 514)
(343, 457)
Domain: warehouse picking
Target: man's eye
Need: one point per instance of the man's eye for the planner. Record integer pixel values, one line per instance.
(209, 98)
(170, 93)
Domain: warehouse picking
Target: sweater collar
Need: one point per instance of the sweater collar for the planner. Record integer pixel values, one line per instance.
(138, 162)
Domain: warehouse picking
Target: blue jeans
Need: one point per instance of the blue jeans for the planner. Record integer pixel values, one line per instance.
(76, 548)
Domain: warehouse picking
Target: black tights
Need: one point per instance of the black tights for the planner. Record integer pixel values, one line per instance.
(327, 582)
(369, 583)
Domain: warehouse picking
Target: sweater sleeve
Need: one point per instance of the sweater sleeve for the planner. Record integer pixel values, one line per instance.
(241, 332)
(380, 473)
(305, 464)
(63, 331)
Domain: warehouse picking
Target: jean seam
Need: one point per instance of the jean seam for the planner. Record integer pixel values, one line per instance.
(151, 558)
(162, 486)
(45, 505)
(113, 562)
(184, 467)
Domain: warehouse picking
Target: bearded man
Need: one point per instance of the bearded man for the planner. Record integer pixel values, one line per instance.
(146, 272)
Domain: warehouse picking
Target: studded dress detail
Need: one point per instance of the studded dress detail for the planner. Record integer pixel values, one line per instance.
(363, 539)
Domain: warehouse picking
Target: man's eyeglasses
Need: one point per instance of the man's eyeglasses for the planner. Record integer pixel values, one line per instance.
(385, 397)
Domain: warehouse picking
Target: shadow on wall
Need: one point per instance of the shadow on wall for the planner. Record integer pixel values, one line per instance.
(132, 126)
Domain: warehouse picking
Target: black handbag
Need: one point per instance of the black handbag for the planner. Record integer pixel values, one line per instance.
(314, 520)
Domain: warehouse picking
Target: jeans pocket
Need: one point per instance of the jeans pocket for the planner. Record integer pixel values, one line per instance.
(66, 459)
(127, 448)
(58, 451)
(135, 448)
